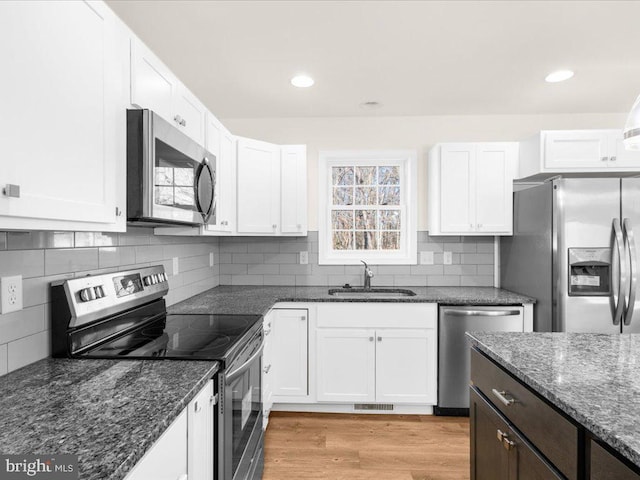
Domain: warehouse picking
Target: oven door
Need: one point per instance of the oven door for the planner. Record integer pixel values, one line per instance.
(179, 177)
(242, 414)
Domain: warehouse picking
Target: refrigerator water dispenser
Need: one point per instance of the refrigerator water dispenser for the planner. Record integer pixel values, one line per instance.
(589, 272)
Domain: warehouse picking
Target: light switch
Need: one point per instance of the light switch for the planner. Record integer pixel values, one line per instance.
(211, 260)
(447, 258)
(426, 258)
(304, 258)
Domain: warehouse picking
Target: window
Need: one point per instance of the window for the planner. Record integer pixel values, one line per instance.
(367, 207)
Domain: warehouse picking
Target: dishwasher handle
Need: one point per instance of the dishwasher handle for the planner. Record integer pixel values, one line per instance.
(459, 312)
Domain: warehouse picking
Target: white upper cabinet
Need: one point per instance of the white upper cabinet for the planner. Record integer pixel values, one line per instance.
(154, 86)
(222, 144)
(574, 151)
(63, 116)
(293, 181)
(271, 188)
(470, 188)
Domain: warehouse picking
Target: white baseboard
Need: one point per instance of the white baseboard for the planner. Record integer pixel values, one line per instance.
(349, 408)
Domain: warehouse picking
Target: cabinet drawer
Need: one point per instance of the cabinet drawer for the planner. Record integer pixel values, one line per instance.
(554, 435)
(605, 466)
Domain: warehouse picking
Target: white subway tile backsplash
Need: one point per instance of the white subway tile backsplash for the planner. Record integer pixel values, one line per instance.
(70, 260)
(460, 269)
(22, 323)
(3, 359)
(28, 263)
(28, 350)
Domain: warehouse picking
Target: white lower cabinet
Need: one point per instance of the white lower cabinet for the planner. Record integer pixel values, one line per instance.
(377, 353)
(267, 370)
(201, 411)
(185, 450)
(346, 365)
(167, 458)
(289, 338)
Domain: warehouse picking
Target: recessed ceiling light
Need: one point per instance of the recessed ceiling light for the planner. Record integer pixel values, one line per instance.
(302, 81)
(559, 76)
(371, 105)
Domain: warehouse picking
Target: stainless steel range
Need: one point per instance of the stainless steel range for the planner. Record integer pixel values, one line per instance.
(123, 316)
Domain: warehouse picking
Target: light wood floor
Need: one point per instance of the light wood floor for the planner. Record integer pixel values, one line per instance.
(321, 446)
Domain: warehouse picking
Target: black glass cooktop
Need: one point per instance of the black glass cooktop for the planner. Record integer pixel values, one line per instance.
(181, 337)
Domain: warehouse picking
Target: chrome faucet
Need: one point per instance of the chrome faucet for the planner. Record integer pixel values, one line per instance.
(368, 274)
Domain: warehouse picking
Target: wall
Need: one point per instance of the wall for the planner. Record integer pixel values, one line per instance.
(44, 257)
(419, 133)
(274, 261)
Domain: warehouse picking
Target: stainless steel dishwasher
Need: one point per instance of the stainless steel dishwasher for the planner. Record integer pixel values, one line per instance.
(453, 348)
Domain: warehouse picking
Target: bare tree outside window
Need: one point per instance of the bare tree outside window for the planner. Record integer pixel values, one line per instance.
(365, 209)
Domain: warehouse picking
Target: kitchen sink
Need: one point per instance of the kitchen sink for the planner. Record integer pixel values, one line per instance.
(371, 293)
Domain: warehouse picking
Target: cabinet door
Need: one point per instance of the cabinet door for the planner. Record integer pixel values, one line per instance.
(215, 135)
(63, 111)
(493, 178)
(267, 369)
(189, 114)
(406, 366)
(153, 86)
(604, 466)
(201, 411)
(457, 188)
(167, 458)
(489, 458)
(620, 157)
(290, 350)
(293, 197)
(575, 150)
(258, 198)
(525, 462)
(346, 365)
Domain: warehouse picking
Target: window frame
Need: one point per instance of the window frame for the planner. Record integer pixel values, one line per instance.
(407, 161)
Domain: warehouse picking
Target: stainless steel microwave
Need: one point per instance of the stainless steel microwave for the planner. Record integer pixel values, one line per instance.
(170, 178)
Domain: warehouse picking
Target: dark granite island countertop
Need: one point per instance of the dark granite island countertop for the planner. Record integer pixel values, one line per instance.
(257, 300)
(107, 412)
(593, 378)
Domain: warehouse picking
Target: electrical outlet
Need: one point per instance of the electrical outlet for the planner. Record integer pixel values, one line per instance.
(447, 258)
(426, 258)
(211, 262)
(11, 294)
(176, 266)
(304, 258)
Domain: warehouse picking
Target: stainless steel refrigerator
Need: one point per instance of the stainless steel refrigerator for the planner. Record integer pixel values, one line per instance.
(573, 249)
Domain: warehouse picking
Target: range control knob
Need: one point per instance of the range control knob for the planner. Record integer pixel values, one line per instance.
(147, 281)
(84, 295)
(99, 291)
(155, 278)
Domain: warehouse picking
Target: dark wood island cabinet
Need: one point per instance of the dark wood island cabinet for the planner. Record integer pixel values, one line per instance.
(516, 434)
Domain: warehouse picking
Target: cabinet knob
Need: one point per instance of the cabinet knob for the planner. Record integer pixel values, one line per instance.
(178, 119)
(471, 226)
(197, 407)
(274, 226)
(303, 318)
(613, 159)
(479, 225)
(267, 331)
(267, 368)
(371, 339)
(11, 190)
(379, 339)
(604, 159)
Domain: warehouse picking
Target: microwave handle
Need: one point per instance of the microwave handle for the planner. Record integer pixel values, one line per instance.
(204, 166)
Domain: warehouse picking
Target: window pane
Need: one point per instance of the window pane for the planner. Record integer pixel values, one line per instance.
(184, 177)
(164, 195)
(164, 176)
(389, 220)
(343, 196)
(389, 196)
(366, 175)
(342, 240)
(342, 175)
(389, 176)
(366, 196)
(390, 240)
(342, 220)
(365, 219)
(366, 240)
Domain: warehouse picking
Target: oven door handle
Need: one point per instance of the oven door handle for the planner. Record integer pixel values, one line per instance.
(233, 375)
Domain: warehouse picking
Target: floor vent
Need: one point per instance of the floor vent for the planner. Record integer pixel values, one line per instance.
(373, 406)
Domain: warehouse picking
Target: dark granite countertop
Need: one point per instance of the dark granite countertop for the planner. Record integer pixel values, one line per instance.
(246, 300)
(593, 378)
(107, 412)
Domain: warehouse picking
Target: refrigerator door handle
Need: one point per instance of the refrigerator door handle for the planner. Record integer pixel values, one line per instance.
(618, 276)
(630, 248)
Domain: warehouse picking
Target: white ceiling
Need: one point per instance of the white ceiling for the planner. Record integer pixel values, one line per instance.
(414, 57)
